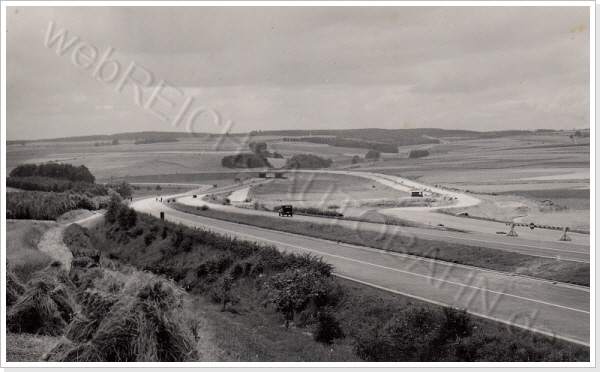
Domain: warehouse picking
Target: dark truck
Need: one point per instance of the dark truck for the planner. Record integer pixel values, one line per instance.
(286, 210)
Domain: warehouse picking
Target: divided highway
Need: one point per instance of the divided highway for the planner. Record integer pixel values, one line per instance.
(554, 309)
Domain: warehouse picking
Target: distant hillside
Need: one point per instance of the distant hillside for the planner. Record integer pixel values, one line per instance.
(137, 136)
(396, 136)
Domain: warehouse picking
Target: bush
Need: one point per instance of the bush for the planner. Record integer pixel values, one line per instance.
(295, 289)
(308, 161)
(328, 328)
(245, 161)
(418, 154)
(372, 155)
(39, 205)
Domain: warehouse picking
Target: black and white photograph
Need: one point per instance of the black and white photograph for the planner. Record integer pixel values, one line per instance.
(298, 184)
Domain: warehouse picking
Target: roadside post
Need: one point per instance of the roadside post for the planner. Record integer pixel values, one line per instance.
(564, 237)
(512, 230)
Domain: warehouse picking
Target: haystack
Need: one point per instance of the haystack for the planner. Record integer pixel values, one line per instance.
(14, 288)
(138, 328)
(94, 307)
(46, 307)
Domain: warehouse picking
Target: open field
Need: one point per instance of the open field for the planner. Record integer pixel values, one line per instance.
(529, 170)
(22, 254)
(322, 189)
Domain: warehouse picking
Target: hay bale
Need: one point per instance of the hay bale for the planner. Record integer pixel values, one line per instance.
(83, 262)
(142, 327)
(96, 304)
(54, 273)
(81, 328)
(14, 288)
(85, 278)
(45, 308)
(68, 351)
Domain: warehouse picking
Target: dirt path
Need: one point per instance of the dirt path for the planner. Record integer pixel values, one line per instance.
(52, 244)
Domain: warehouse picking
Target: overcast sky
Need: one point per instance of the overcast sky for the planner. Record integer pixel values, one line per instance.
(479, 68)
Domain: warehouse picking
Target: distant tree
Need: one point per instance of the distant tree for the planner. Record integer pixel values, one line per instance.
(277, 155)
(113, 209)
(577, 133)
(158, 187)
(356, 159)
(122, 188)
(418, 153)
(54, 170)
(308, 161)
(115, 142)
(245, 161)
(258, 147)
(372, 154)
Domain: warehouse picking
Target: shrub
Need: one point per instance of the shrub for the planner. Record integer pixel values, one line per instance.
(418, 153)
(308, 161)
(39, 205)
(294, 290)
(245, 161)
(371, 155)
(328, 328)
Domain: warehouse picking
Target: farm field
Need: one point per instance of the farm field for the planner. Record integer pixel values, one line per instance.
(322, 190)
(547, 175)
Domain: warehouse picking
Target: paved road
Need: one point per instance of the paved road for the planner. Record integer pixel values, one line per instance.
(553, 309)
(533, 244)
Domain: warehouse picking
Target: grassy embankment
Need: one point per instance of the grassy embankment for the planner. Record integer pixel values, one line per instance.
(274, 306)
(494, 259)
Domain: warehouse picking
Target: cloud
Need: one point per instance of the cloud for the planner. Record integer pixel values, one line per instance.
(308, 67)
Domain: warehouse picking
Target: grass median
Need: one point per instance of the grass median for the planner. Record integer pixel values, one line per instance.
(393, 240)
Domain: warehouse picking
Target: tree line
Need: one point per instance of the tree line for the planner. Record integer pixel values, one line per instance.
(346, 142)
(54, 170)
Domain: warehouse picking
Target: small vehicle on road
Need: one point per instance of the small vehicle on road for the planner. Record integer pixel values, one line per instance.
(286, 210)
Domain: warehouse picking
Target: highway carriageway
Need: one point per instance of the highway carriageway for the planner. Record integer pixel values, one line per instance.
(554, 309)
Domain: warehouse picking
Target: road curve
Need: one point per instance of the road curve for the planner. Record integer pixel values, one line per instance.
(542, 306)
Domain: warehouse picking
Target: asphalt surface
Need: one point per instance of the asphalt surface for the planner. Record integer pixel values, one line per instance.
(547, 307)
(576, 250)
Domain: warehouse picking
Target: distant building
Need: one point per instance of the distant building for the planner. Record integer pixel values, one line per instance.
(416, 193)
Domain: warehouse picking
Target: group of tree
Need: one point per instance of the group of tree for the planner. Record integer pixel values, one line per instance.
(308, 161)
(372, 155)
(121, 187)
(245, 161)
(348, 142)
(155, 140)
(53, 189)
(418, 153)
(260, 148)
(54, 170)
(114, 142)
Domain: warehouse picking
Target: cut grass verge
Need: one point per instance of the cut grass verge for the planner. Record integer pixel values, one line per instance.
(487, 258)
